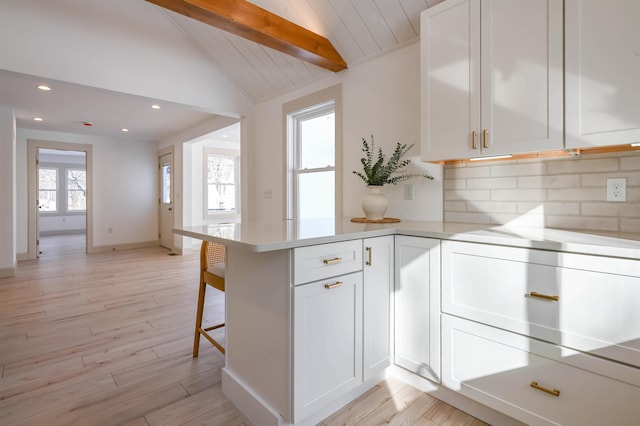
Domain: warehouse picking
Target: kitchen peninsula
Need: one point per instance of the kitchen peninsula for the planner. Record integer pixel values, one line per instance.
(497, 321)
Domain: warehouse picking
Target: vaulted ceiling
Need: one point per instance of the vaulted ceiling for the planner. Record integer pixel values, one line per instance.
(358, 29)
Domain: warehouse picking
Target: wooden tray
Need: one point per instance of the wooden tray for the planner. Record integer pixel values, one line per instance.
(385, 220)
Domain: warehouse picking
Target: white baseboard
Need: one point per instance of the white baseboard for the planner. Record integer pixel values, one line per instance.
(22, 256)
(251, 405)
(7, 272)
(119, 247)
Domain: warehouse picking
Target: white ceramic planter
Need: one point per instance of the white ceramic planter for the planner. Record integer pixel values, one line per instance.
(374, 203)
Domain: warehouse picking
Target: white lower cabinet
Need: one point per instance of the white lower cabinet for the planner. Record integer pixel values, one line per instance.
(588, 303)
(377, 295)
(543, 336)
(417, 305)
(327, 342)
(537, 382)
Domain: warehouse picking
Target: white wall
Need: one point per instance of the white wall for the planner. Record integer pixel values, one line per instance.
(92, 43)
(125, 188)
(380, 97)
(7, 192)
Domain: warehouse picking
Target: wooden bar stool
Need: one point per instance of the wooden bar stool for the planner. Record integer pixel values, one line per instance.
(212, 271)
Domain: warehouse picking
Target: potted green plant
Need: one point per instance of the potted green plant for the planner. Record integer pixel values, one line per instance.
(380, 172)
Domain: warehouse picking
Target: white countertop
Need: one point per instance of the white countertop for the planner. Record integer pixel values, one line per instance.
(261, 237)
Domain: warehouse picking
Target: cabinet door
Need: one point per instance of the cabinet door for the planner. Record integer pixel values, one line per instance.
(602, 72)
(327, 343)
(377, 293)
(522, 72)
(417, 305)
(450, 87)
(492, 78)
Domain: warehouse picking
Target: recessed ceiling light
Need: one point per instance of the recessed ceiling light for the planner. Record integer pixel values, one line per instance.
(125, 130)
(155, 106)
(37, 119)
(44, 87)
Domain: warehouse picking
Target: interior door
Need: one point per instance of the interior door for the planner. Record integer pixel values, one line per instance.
(38, 207)
(166, 200)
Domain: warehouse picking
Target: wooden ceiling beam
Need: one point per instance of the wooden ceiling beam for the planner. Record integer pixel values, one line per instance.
(251, 22)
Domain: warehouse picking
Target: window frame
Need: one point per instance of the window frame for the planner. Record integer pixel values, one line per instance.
(207, 151)
(315, 104)
(62, 191)
(67, 191)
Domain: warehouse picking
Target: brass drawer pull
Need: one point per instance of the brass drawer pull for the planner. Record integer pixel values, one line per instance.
(332, 261)
(474, 145)
(485, 143)
(369, 250)
(554, 392)
(334, 285)
(544, 296)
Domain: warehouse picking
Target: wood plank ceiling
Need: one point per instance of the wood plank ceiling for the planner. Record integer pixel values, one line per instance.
(359, 30)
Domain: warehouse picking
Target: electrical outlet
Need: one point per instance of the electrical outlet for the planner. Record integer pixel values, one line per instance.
(617, 189)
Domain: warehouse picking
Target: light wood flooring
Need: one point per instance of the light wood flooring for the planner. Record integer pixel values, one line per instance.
(106, 339)
(62, 245)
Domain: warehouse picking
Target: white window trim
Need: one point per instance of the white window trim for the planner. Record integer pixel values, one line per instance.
(297, 108)
(61, 189)
(227, 153)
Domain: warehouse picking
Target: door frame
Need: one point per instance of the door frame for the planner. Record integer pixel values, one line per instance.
(33, 145)
(162, 153)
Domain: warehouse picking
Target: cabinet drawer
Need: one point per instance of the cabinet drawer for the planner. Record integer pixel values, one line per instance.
(497, 368)
(321, 261)
(594, 304)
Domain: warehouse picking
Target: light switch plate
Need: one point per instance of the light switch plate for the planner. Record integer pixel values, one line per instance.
(408, 191)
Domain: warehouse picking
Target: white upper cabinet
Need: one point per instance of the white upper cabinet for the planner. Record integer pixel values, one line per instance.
(602, 72)
(492, 74)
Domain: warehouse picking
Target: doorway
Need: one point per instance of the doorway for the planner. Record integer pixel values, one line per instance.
(60, 198)
(165, 165)
(62, 202)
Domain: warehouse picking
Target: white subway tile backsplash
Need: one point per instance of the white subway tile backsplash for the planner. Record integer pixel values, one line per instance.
(466, 172)
(577, 194)
(455, 184)
(467, 194)
(455, 206)
(525, 169)
(601, 209)
(583, 222)
(482, 218)
(549, 208)
(528, 220)
(492, 183)
(518, 194)
(630, 163)
(629, 225)
(560, 181)
(581, 165)
(565, 193)
(492, 206)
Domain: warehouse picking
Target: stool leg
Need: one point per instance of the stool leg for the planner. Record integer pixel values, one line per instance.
(199, 313)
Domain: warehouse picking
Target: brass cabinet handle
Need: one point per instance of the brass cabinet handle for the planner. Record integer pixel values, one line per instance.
(369, 250)
(332, 261)
(474, 145)
(554, 392)
(544, 296)
(334, 285)
(485, 143)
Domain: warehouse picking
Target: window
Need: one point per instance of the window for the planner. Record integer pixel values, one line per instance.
(313, 181)
(76, 190)
(222, 182)
(72, 187)
(48, 189)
